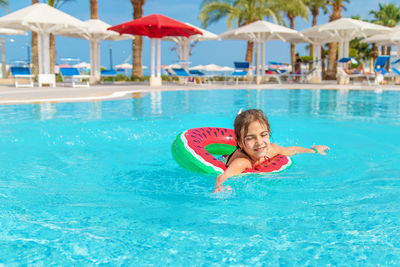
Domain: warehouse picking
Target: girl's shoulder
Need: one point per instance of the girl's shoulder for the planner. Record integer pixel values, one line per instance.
(276, 148)
(239, 158)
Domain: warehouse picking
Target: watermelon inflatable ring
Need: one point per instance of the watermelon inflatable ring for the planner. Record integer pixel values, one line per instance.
(195, 150)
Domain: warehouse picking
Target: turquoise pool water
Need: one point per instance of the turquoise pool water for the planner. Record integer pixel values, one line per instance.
(95, 183)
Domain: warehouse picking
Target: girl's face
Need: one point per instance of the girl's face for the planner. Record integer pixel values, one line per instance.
(256, 143)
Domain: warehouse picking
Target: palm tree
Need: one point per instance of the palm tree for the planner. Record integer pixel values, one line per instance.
(314, 6)
(52, 45)
(337, 7)
(34, 48)
(359, 50)
(4, 4)
(387, 15)
(137, 43)
(242, 12)
(293, 9)
(94, 14)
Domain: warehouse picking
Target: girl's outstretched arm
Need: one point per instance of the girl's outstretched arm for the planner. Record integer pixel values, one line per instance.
(236, 167)
(293, 150)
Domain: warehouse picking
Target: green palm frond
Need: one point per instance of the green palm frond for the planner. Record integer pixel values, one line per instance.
(57, 3)
(4, 4)
(387, 15)
(213, 12)
(295, 8)
(238, 12)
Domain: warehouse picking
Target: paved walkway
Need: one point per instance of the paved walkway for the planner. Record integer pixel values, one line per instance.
(10, 95)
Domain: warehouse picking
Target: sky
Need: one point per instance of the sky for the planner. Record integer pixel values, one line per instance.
(118, 11)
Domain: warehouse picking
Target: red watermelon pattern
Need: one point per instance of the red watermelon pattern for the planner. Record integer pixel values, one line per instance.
(198, 138)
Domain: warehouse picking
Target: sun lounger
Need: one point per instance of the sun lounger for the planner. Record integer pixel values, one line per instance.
(396, 71)
(303, 77)
(275, 75)
(395, 74)
(72, 75)
(344, 78)
(108, 75)
(22, 76)
(203, 77)
(185, 77)
(241, 70)
(380, 63)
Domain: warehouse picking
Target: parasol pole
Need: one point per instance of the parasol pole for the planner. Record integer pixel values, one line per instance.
(159, 58)
(152, 58)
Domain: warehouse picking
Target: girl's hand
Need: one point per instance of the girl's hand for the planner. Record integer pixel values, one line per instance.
(321, 149)
(221, 188)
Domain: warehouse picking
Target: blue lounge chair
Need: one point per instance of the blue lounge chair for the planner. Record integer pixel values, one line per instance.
(380, 63)
(204, 78)
(303, 77)
(72, 75)
(344, 78)
(344, 59)
(394, 74)
(22, 76)
(196, 72)
(185, 77)
(241, 70)
(108, 74)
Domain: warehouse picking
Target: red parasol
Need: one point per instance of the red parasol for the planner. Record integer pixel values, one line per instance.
(155, 26)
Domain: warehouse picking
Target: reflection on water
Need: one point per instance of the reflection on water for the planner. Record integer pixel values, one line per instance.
(340, 104)
(156, 101)
(45, 111)
(96, 110)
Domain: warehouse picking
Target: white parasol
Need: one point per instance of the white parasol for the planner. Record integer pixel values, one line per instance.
(261, 32)
(82, 65)
(184, 43)
(95, 30)
(6, 31)
(390, 38)
(43, 19)
(343, 31)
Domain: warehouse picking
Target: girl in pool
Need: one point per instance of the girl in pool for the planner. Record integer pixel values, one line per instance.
(253, 133)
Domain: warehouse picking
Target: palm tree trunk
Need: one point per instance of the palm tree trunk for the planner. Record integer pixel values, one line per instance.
(93, 9)
(94, 77)
(383, 50)
(388, 51)
(52, 49)
(249, 52)
(137, 47)
(323, 62)
(292, 45)
(34, 49)
(315, 13)
(137, 43)
(332, 47)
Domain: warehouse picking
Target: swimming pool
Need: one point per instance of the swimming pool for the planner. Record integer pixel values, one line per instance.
(95, 183)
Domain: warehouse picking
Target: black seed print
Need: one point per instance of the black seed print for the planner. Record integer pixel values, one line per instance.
(216, 135)
(205, 136)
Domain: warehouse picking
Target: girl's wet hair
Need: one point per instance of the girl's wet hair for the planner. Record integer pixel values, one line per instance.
(243, 120)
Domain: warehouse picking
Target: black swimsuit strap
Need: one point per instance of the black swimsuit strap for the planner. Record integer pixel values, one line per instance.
(230, 156)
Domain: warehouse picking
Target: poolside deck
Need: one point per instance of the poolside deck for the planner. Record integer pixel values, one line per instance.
(10, 95)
